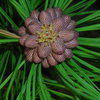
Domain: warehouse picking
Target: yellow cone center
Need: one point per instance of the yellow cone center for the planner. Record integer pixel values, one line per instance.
(47, 35)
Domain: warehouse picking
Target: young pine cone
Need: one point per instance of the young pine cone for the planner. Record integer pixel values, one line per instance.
(48, 37)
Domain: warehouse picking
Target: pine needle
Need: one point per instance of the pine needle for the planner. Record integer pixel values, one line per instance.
(8, 34)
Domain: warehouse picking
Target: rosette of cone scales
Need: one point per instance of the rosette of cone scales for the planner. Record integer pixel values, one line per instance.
(48, 37)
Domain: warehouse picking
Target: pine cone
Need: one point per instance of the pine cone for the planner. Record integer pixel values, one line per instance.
(48, 37)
